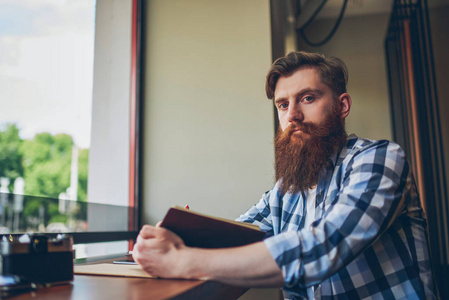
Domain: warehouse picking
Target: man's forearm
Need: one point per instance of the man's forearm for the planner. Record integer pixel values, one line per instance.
(249, 266)
(162, 253)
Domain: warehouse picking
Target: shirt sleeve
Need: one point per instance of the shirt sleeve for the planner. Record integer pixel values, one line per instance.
(371, 195)
(260, 215)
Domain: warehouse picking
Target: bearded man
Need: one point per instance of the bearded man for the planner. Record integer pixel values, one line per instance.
(344, 218)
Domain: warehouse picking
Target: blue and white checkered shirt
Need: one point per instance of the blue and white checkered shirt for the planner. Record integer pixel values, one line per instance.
(368, 240)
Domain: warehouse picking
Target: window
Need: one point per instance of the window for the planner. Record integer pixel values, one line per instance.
(68, 143)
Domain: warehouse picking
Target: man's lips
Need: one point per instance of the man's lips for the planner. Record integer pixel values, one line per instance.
(296, 130)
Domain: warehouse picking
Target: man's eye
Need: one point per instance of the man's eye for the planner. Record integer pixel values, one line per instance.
(308, 99)
(283, 106)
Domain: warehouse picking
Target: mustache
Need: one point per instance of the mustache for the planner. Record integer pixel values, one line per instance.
(308, 128)
(304, 127)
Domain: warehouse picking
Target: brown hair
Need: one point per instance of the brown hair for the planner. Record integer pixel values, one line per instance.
(332, 70)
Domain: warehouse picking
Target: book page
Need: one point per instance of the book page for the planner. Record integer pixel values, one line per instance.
(249, 225)
(109, 269)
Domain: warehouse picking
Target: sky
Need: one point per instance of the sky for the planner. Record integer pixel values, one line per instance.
(46, 66)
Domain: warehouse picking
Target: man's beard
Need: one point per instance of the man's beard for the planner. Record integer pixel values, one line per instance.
(301, 159)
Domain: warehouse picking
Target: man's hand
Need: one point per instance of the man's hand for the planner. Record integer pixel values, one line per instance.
(157, 251)
(162, 253)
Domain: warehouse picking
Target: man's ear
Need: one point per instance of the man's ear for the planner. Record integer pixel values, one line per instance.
(345, 103)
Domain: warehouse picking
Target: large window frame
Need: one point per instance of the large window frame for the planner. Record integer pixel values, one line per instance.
(134, 220)
(135, 133)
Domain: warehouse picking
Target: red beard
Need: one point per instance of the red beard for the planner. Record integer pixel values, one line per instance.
(301, 158)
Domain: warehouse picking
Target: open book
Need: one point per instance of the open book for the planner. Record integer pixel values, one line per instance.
(199, 230)
(109, 269)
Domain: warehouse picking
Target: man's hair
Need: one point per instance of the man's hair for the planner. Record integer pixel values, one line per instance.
(332, 70)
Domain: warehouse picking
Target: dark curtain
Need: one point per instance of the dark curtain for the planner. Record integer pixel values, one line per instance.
(416, 121)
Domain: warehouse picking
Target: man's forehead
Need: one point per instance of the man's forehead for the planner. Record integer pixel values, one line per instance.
(305, 79)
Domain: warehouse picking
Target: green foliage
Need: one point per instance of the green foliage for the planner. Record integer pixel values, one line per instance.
(32, 207)
(83, 165)
(45, 164)
(58, 219)
(10, 156)
(54, 215)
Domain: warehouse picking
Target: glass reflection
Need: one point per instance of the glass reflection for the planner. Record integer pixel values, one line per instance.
(32, 214)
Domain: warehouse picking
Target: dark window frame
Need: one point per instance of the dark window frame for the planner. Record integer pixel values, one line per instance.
(134, 201)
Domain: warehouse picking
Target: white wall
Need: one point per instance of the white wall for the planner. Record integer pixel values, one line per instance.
(109, 152)
(108, 181)
(208, 128)
(359, 42)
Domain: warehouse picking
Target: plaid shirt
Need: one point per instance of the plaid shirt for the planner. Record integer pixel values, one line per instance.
(368, 240)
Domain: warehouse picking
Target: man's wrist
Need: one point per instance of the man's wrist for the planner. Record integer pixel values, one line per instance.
(191, 263)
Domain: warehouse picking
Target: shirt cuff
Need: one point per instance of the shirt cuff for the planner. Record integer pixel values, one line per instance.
(284, 248)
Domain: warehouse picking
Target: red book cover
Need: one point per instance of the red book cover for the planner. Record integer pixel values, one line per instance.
(199, 230)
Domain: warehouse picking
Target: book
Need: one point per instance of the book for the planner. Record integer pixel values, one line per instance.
(108, 269)
(203, 231)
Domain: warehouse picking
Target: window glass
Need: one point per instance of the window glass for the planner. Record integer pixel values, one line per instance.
(56, 117)
(46, 72)
(99, 249)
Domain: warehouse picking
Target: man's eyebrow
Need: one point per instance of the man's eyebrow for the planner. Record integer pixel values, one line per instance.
(309, 90)
(302, 92)
(279, 100)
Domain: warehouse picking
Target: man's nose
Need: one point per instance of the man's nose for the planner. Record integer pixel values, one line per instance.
(295, 114)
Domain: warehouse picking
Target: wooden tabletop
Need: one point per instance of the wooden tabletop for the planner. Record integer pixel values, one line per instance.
(107, 288)
(85, 287)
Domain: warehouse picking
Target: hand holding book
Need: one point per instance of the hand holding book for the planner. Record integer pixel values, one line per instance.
(191, 245)
(199, 230)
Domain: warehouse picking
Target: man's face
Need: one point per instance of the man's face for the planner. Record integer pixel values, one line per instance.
(311, 120)
(303, 98)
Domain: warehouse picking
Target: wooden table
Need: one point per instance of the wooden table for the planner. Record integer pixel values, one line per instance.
(85, 287)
